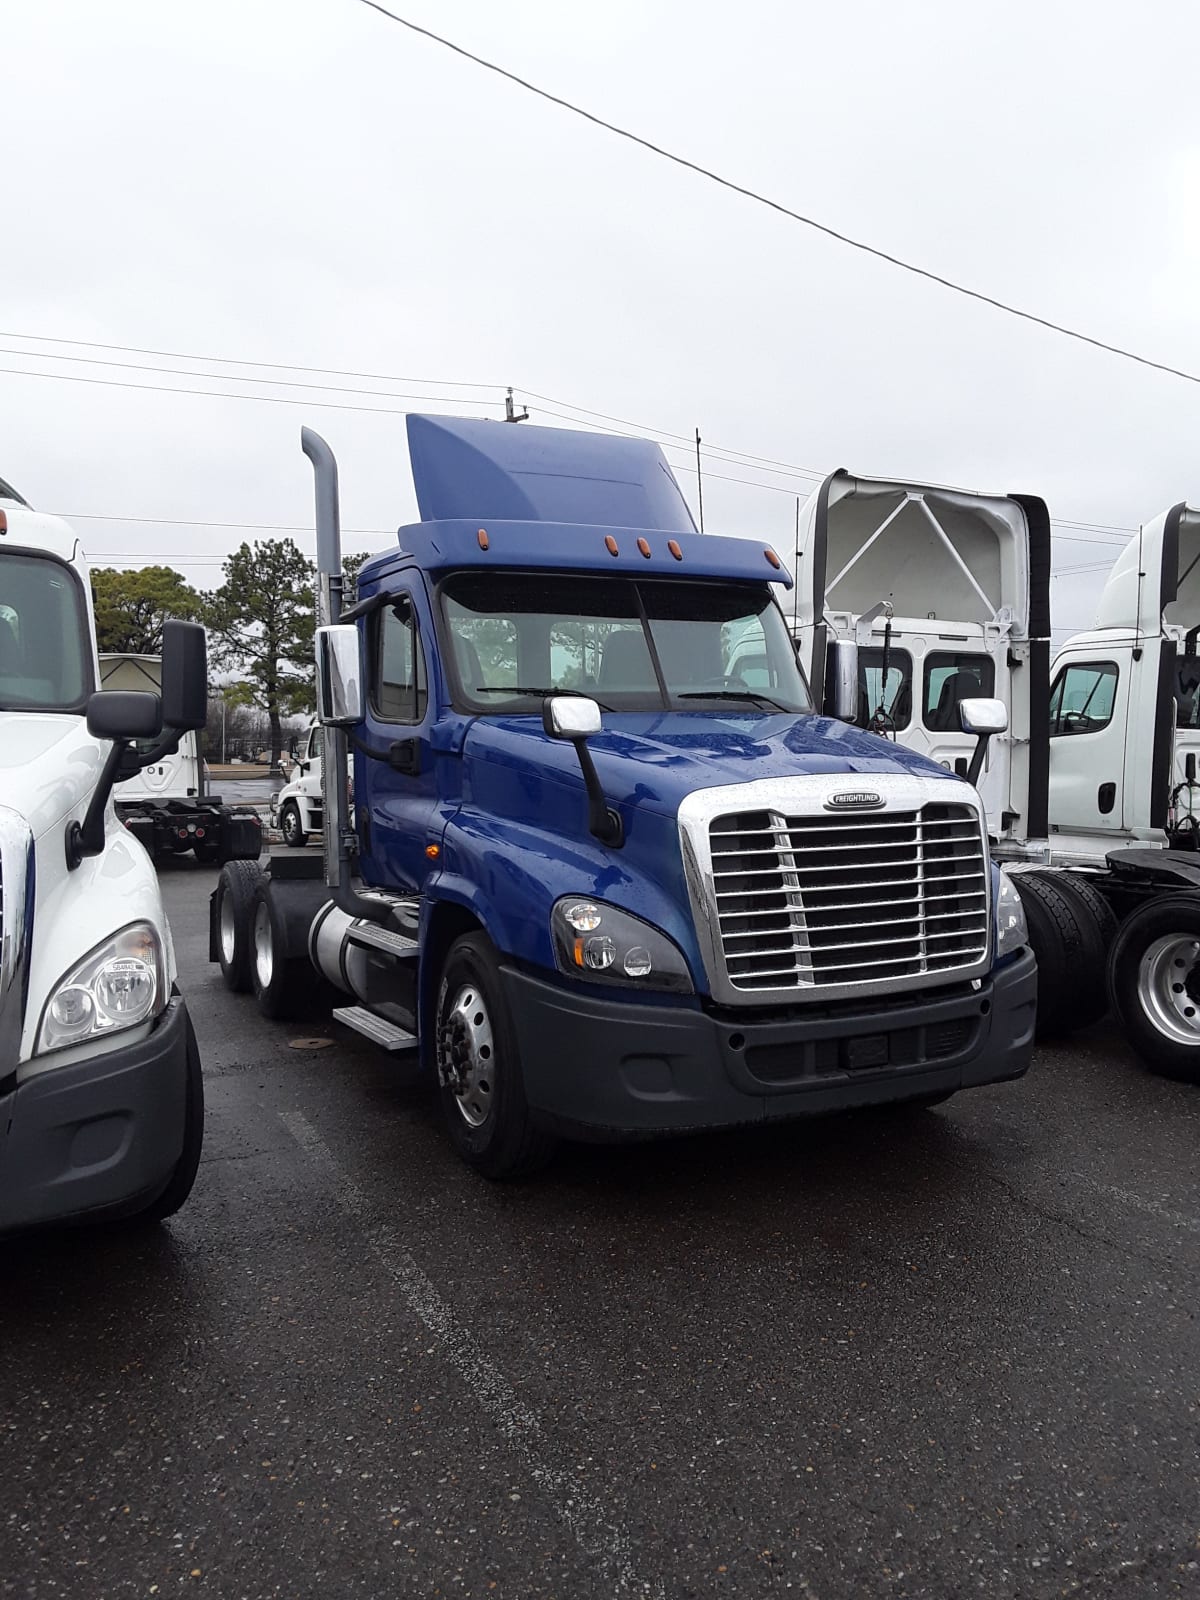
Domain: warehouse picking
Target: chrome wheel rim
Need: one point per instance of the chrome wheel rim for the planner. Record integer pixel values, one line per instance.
(466, 1055)
(228, 929)
(264, 950)
(291, 824)
(1169, 987)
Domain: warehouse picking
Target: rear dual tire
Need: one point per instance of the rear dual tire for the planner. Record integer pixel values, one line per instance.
(234, 912)
(1069, 934)
(1154, 977)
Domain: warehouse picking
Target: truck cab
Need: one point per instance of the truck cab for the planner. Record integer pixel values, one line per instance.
(1125, 706)
(101, 1102)
(609, 871)
(946, 592)
(298, 809)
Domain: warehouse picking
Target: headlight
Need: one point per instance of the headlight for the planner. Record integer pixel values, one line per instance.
(1010, 918)
(600, 944)
(120, 983)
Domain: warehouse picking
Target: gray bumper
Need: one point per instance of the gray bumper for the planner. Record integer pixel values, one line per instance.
(97, 1137)
(610, 1068)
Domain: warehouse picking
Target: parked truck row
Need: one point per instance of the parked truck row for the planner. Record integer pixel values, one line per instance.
(1091, 793)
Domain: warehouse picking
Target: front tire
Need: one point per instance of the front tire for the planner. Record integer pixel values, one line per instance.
(1154, 979)
(479, 1071)
(291, 826)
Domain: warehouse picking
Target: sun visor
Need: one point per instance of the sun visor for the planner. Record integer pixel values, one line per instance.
(512, 472)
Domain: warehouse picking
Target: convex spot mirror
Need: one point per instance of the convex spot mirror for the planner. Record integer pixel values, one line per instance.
(570, 716)
(339, 676)
(124, 714)
(983, 716)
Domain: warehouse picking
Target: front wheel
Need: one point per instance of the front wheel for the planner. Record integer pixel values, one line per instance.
(1154, 979)
(479, 1072)
(291, 827)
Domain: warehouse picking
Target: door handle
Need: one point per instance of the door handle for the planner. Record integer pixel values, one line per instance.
(404, 756)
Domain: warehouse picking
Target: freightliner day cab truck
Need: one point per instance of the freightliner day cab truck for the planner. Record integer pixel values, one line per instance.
(101, 1101)
(298, 809)
(1093, 807)
(165, 803)
(605, 885)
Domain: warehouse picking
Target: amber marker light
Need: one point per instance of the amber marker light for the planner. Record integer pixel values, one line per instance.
(772, 558)
(611, 545)
(644, 547)
(433, 851)
(483, 538)
(673, 547)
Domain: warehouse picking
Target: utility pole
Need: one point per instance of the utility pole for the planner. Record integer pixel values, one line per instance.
(510, 411)
(699, 481)
(222, 727)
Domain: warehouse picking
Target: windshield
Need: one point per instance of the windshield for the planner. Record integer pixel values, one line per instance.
(632, 646)
(44, 646)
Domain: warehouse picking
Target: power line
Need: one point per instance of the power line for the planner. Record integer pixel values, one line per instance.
(197, 522)
(240, 361)
(261, 399)
(227, 377)
(776, 205)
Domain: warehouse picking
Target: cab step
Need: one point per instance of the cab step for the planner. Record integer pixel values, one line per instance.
(381, 1032)
(370, 933)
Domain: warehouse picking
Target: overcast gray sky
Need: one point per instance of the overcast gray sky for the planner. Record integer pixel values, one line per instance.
(302, 181)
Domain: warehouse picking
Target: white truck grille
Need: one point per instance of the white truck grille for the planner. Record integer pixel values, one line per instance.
(808, 902)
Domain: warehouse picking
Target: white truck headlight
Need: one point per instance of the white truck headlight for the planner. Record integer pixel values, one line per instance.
(1012, 930)
(596, 942)
(118, 984)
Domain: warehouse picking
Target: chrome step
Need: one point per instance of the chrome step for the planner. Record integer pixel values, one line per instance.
(377, 1029)
(370, 933)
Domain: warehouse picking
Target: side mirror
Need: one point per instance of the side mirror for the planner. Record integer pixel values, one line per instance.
(841, 680)
(983, 716)
(184, 676)
(339, 676)
(566, 716)
(575, 718)
(124, 714)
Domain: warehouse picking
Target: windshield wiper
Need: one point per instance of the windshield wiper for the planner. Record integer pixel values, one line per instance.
(517, 688)
(752, 695)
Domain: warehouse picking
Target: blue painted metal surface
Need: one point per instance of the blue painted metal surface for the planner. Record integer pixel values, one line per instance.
(467, 468)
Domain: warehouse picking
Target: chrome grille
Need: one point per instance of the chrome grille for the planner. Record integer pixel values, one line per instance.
(824, 901)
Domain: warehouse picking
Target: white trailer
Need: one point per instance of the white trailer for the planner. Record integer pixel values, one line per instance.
(101, 1099)
(165, 802)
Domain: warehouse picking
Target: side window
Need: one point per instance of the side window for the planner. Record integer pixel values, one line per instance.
(888, 704)
(314, 744)
(950, 678)
(1082, 696)
(398, 688)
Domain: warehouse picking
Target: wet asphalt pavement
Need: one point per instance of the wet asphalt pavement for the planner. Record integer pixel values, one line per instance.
(942, 1354)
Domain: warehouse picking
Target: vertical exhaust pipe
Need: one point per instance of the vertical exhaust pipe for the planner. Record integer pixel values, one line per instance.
(340, 842)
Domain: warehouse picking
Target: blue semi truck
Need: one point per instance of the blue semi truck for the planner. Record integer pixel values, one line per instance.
(591, 857)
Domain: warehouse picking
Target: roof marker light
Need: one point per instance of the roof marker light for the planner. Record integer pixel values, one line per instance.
(611, 545)
(483, 538)
(772, 558)
(644, 547)
(673, 547)
(3, 522)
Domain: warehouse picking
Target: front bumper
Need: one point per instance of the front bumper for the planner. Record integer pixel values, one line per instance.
(97, 1137)
(606, 1069)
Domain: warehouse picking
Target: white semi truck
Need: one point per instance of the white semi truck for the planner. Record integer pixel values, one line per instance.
(298, 810)
(1092, 797)
(165, 803)
(101, 1099)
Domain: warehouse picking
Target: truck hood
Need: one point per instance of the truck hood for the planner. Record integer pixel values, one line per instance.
(654, 759)
(48, 764)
